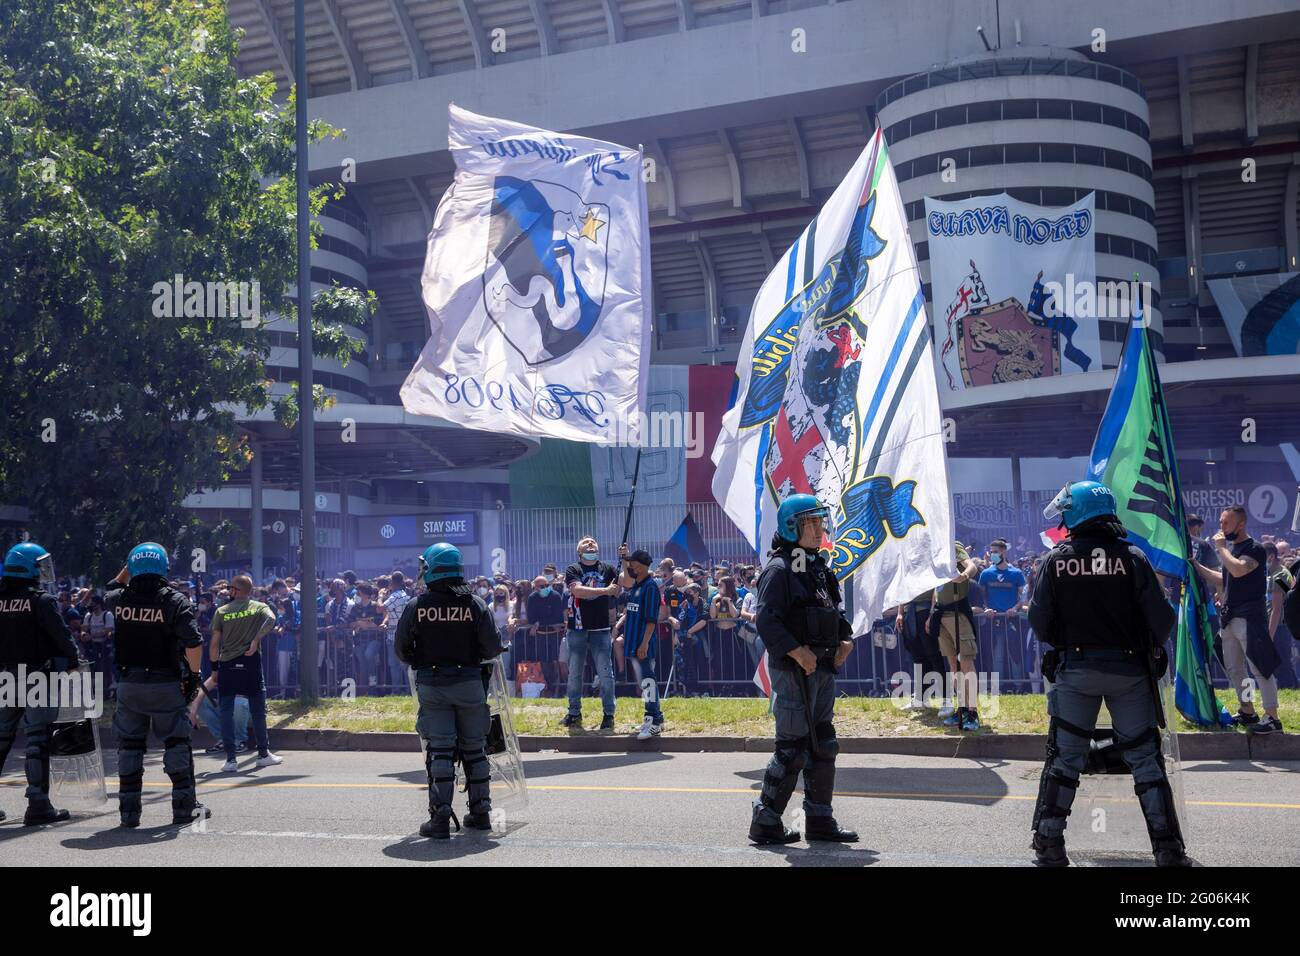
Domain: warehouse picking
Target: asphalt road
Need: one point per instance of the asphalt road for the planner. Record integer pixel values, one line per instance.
(342, 809)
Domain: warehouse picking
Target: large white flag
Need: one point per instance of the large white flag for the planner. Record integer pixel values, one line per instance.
(537, 286)
(836, 396)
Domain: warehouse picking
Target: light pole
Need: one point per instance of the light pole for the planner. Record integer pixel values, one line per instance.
(308, 673)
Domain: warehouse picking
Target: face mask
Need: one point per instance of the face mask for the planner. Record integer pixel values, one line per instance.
(549, 577)
(590, 555)
(995, 558)
(544, 592)
(482, 592)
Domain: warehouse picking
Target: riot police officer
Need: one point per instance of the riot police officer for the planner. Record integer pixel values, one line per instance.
(807, 639)
(159, 650)
(33, 635)
(446, 634)
(1099, 604)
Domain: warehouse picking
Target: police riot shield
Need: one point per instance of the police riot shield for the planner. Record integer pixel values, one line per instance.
(509, 787)
(77, 762)
(1107, 821)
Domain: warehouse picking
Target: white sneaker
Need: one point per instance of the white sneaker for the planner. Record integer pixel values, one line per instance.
(230, 767)
(946, 711)
(649, 729)
(270, 760)
(915, 704)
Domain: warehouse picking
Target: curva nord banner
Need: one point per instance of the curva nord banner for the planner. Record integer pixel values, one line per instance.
(995, 266)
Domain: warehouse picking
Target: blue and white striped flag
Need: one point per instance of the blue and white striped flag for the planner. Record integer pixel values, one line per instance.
(836, 396)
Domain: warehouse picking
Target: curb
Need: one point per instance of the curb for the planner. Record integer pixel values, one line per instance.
(1194, 746)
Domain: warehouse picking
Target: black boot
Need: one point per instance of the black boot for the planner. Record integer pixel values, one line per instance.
(827, 830)
(1050, 851)
(129, 809)
(1170, 853)
(439, 825)
(765, 834)
(188, 812)
(478, 821)
(40, 813)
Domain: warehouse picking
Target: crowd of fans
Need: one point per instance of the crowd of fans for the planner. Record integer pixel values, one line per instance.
(706, 615)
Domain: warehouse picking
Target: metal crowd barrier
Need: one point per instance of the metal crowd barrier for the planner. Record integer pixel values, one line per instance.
(719, 662)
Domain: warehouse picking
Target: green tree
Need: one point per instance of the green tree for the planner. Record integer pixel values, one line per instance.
(130, 153)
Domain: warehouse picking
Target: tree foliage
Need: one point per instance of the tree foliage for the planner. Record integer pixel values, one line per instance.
(131, 153)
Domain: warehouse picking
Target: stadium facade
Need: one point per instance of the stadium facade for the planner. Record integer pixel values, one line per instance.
(1182, 117)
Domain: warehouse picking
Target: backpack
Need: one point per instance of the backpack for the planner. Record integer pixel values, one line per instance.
(1291, 604)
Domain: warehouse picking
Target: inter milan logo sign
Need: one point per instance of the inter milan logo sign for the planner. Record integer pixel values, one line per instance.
(544, 281)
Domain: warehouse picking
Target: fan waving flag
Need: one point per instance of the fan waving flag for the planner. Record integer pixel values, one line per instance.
(536, 282)
(836, 396)
(1133, 455)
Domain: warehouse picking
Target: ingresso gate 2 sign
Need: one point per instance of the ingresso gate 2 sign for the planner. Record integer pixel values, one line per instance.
(1266, 505)
(411, 530)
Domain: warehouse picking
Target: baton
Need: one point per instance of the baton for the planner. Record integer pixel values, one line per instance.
(808, 713)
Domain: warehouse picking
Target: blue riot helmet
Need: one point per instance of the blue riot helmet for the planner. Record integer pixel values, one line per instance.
(795, 509)
(147, 558)
(30, 562)
(441, 561)
(1081, 501)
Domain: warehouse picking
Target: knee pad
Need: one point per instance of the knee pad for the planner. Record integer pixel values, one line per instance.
(432, 756)
(477, 769)
(791, 755)
(826, 740)
(1048, 805)
(1053, 783)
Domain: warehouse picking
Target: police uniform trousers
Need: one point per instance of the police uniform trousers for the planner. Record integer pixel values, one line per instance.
(36, 723)
(152, 697)
(794, 751)
(1083, 680)
(454, 718)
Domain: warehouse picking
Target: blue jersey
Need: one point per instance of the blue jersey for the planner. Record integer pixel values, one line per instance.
(642, 609)
(1002, 587)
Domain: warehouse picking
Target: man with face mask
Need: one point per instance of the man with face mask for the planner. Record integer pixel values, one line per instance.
(545, 627)
(591, 584)
(1248, 654)
(1002, 582)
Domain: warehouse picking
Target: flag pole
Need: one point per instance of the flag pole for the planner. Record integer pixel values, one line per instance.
(636, 472)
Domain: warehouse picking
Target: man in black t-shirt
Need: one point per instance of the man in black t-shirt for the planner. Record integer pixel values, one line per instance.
(591, 585)
(1248, 654)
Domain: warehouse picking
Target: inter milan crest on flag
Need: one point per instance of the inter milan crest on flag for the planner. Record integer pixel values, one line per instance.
(533, 281)
(836, 398)
(546, 262)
